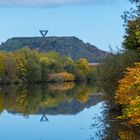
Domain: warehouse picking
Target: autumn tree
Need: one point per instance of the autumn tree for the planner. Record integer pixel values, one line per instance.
(33, 70)
(21, 66)
(2, 56)
(44, 68)
(132, 27)
(10, 69)
(82, 65)
(26, 65)
(128, 95)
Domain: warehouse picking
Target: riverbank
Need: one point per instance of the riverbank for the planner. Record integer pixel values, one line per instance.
(31, 66)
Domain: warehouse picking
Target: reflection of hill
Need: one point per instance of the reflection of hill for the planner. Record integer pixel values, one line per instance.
(73, 107)
(53, 99)
(67, 108)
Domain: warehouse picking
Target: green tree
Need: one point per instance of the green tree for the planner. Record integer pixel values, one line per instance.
(112, 69)
(21, 66)
(33, 70)
(55, 66)
(10, 69)
(132, 27)
(44, 68)
(2, 56)
(132, 37)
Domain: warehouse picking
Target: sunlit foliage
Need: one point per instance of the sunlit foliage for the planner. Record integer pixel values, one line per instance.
(127, 134)
(61, 77)
(26, 65)
(83, 65)
(128, 94)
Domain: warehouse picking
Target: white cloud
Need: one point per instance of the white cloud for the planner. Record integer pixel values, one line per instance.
(46, 3)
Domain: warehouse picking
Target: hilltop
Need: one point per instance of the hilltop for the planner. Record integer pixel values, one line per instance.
(69, 46)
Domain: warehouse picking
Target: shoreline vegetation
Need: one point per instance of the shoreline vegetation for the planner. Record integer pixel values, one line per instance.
(119, 72)
(30, 66)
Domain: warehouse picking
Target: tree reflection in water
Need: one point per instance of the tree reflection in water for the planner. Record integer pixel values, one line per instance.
(32, 99)
(66, 98)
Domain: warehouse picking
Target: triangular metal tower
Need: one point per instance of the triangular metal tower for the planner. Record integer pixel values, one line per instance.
(43, 32)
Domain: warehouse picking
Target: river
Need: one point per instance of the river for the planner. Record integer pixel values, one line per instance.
(65, 111)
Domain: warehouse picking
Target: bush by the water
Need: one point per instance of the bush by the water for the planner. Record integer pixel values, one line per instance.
(61, 77)
(112, 69)
(128, 94)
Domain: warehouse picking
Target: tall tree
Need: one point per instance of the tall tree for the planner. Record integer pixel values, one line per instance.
(10, 69)
(132, 27)
(44, 68)
(83, 65)
(2, 55)
(21, 66)
(33, 70)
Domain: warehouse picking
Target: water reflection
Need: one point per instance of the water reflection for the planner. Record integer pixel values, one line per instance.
(66, 98)
(59, 111)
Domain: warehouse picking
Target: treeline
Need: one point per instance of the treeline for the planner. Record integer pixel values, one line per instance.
(31, 66)
(68, 46)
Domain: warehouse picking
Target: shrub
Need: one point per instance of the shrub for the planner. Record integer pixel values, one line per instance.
(112, 68)
(128, 94)
(61, 77)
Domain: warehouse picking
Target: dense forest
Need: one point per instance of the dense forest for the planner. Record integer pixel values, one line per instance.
(31, 66)
(68, 46)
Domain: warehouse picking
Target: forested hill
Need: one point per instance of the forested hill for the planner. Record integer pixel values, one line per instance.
(69, 46)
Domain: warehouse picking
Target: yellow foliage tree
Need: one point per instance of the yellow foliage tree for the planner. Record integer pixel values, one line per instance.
(128, 95)
(21, 65)
(2, 55)
(82, 65)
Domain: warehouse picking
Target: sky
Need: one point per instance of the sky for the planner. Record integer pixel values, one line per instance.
(97, 22)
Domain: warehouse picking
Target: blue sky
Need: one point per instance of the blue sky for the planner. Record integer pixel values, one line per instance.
(95, 21)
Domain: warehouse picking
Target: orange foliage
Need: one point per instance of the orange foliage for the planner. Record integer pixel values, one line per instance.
(128, 95)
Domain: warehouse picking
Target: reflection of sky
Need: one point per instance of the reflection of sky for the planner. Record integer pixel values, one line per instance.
(59, 127)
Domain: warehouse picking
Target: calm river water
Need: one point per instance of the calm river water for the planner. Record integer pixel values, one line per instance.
(59, 112)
